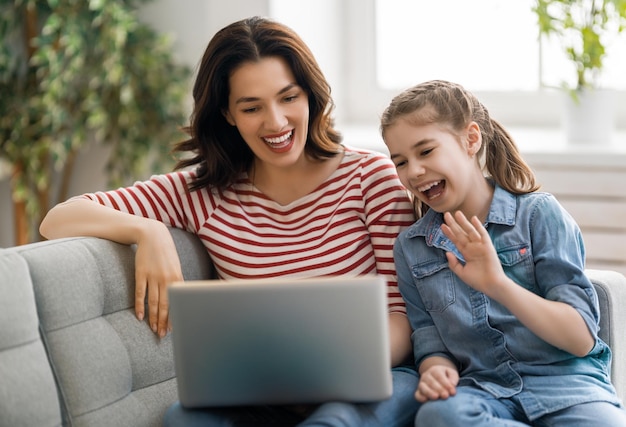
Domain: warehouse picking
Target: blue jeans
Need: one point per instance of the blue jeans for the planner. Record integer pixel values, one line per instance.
(475, 407)
(398, 411)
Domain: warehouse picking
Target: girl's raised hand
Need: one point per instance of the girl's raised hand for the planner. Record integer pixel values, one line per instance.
(482, 269)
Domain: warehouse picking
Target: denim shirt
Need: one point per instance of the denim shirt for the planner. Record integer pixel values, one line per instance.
(540, 247)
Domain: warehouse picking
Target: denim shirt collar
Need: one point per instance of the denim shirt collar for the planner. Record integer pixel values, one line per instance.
(502, 211)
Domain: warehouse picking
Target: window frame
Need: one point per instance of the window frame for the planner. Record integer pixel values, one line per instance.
(364, 100)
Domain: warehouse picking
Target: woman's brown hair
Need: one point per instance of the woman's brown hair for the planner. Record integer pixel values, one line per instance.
(218, 150)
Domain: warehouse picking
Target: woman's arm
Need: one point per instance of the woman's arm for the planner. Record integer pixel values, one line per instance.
(400, 338)
(82, 217)
(156, 259)
(388, 211)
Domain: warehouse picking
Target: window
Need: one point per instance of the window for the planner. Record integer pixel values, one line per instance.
(483, 44)
(489, 46)
(371, 49)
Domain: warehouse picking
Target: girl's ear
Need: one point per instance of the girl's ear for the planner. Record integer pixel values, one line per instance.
(228, 117)
(474, 138)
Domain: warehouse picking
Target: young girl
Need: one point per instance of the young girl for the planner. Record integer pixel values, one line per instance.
(270, 190)
(505, 320)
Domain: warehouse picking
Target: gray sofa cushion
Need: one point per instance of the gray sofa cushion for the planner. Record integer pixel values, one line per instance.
(25, 374)
(111, 368)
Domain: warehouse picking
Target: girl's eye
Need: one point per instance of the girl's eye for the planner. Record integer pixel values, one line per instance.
(427, 152)
(250, 110)
(400, 163)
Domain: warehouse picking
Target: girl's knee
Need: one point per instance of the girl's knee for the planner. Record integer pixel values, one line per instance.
(455, 411)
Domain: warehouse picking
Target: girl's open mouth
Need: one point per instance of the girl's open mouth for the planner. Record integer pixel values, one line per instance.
(432, 190)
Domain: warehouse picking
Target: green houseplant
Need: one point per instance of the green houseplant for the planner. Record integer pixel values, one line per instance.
(75, 73)
(584, 29)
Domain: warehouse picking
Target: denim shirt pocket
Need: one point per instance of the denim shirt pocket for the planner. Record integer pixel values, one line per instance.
(518, 265)
(435, 283)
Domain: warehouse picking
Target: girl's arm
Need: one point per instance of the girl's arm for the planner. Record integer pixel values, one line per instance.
(556, 322)
(156, 259)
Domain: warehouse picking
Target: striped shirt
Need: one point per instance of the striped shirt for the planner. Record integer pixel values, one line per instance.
(347, 226)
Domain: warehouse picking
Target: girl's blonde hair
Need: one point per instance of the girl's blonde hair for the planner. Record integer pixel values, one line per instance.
(446, 103)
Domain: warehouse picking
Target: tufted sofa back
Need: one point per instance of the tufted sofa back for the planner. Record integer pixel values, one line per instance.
(71, 350)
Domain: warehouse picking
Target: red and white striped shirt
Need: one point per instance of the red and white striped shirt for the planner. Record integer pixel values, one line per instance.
(347, 226)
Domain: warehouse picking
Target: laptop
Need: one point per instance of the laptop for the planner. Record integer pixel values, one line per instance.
(280, 341)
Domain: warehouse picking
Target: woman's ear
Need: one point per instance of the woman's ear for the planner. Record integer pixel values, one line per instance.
(474, 138)
(228, 117)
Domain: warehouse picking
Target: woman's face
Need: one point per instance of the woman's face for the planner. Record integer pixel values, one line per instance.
(270, 110)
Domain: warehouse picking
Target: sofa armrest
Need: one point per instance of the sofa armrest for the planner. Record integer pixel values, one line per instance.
(194, 258)
(611, 289)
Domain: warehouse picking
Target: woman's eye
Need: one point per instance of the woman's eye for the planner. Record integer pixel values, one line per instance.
(427, 152)
(400, 163)
(291, 98)
(250, 110)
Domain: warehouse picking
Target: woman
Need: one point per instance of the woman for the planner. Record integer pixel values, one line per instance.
(270, 190)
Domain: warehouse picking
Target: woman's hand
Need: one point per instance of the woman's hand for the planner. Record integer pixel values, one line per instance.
(156, 260)
(156, 266)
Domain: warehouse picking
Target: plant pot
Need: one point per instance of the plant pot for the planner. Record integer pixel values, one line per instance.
(589, 120)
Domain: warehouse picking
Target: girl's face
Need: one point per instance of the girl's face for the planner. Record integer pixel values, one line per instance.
(435, 165)
(270, 110)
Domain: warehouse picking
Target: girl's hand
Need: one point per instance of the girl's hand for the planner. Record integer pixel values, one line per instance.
(156, 266)
(482, 269)
(437, 382)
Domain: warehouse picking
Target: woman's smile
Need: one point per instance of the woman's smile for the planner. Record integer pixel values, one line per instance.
(280, 143)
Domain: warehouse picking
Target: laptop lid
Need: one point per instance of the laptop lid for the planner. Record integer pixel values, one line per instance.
(280, 341)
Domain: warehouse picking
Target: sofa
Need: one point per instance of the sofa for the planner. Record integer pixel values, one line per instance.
(72, 352)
